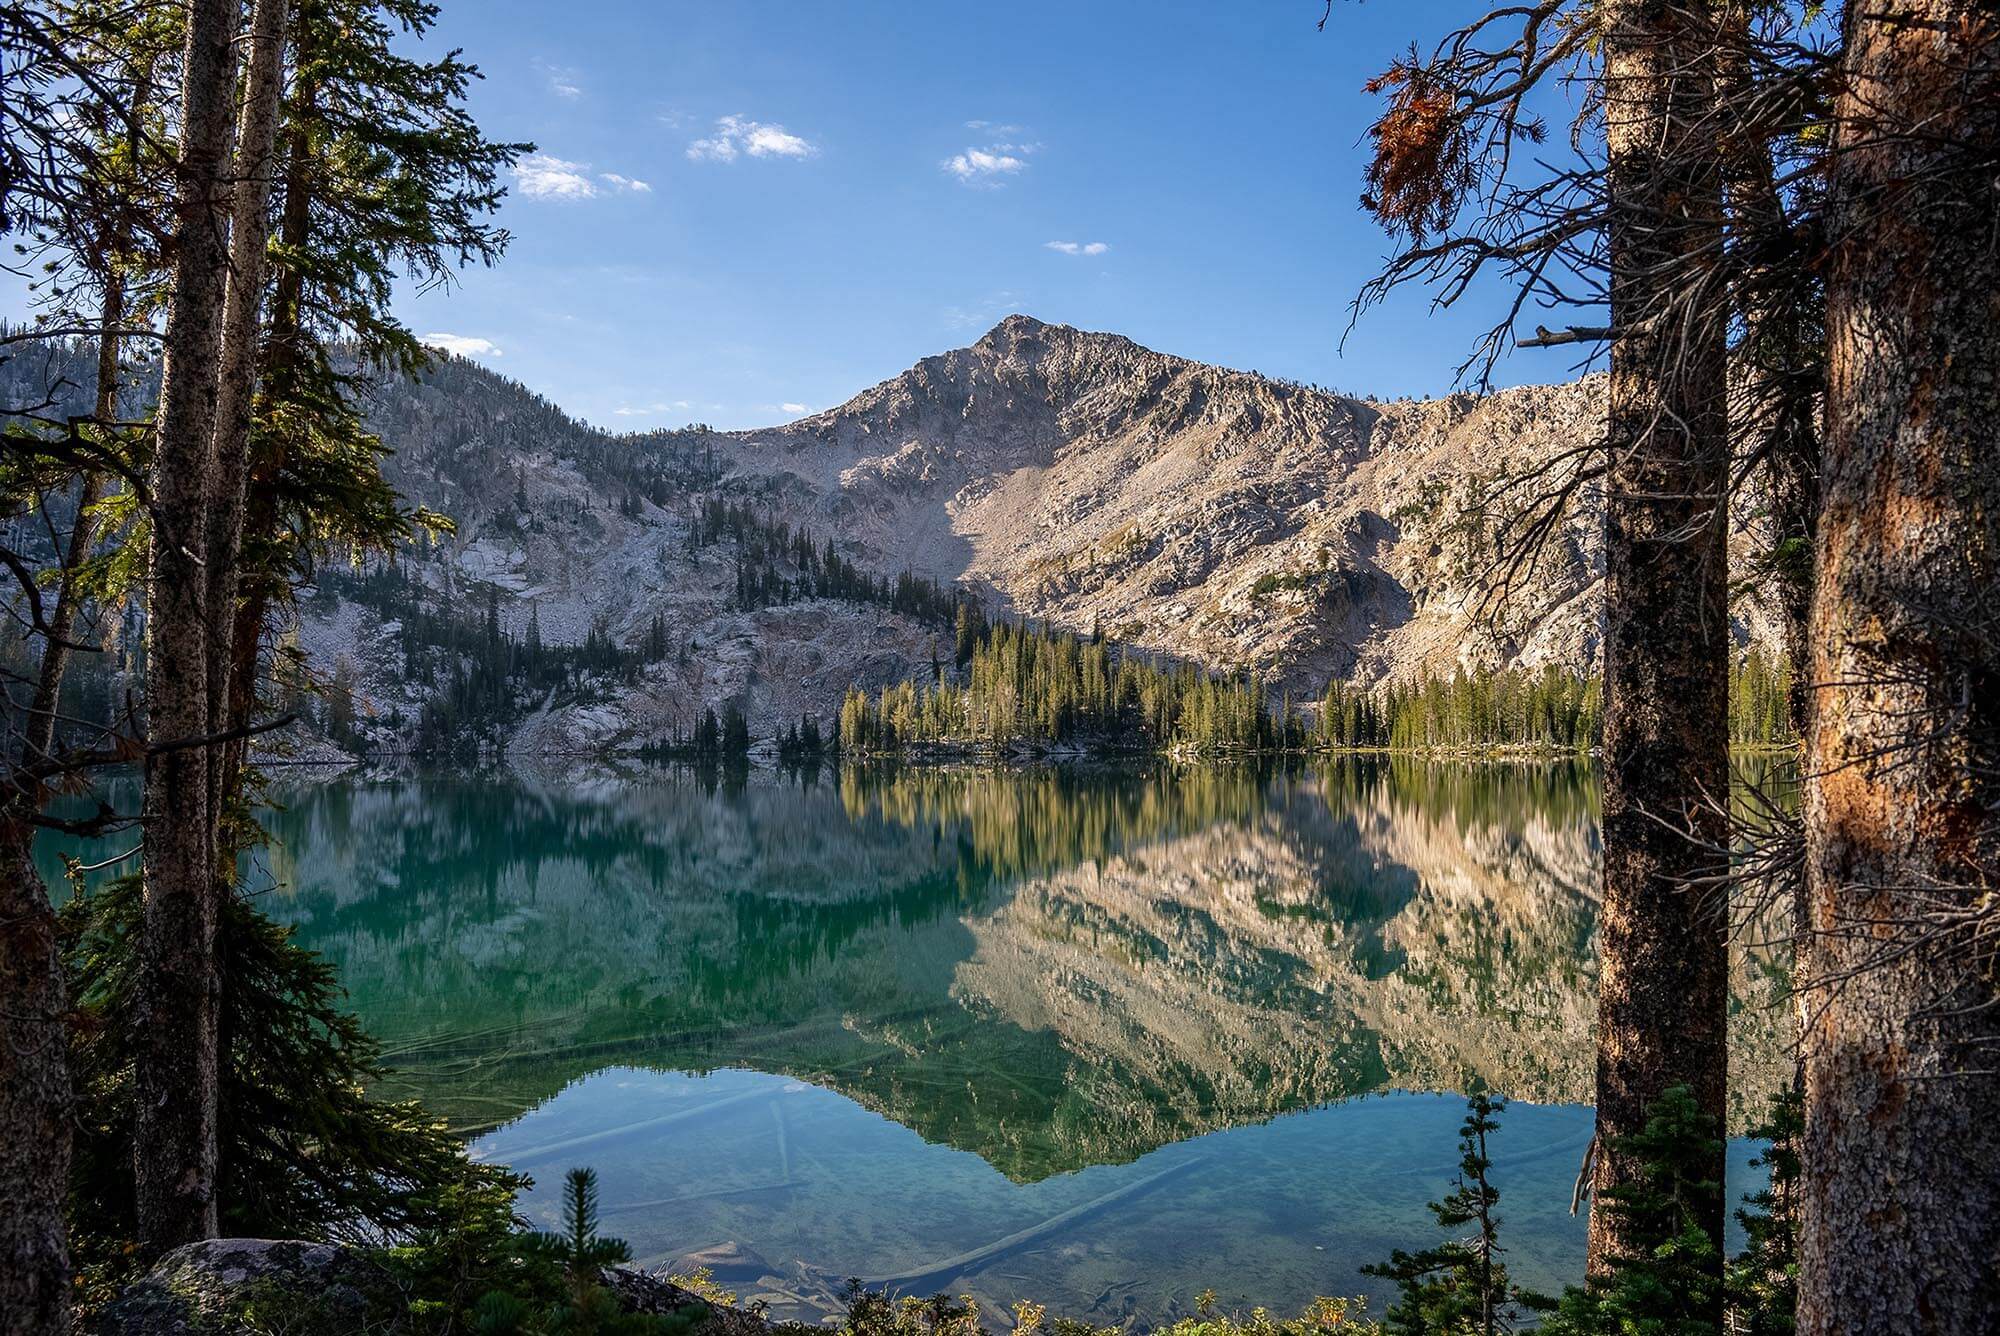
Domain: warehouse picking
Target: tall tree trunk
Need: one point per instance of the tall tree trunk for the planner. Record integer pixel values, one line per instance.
(1901, 1159)
(1778, 372)
(34, 1097)
(282, 355)
(1664, 974)
(41, 729)
(1777, 389)
(249, 239)
(35, 1093)
(176, 1061)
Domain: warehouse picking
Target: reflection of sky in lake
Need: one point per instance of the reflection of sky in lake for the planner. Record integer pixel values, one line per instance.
(810, 1188)
(1102, 1038)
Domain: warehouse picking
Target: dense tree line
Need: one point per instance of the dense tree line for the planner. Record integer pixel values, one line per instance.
(725, 740)
(1761, 697)
(482, 677)
(1552, 710)
(777, 563)
(1038, 687)
(1013, 685)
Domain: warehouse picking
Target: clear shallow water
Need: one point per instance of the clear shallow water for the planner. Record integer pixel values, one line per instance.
(788, 1188)
(1100, 1038)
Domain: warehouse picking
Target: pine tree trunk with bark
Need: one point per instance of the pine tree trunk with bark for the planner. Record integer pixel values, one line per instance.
(35, 1091)
(1663, 983)
(34, 1097)
(249, 239)
(176, 1061)
(282, 355)
(1900, 1228)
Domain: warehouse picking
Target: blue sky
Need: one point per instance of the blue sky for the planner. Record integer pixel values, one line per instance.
(742, 211)
(834, 190)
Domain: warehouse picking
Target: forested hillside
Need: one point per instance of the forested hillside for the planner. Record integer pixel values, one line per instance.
(598, 590)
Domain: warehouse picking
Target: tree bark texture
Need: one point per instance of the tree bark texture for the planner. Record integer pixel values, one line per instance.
(34, 1098)
(282, 354)
(249, 239)
(176, 1060)
(1663, 980)
(1900, 1228)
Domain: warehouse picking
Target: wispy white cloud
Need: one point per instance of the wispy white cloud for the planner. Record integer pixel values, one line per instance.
(543, 177)
(563, 81)
(989, 164)
(653, 410)
(737, 135)
(774, 141)
(983, 167)
(1079, 247)
(462, 345)
(982, 313)
(993, 127)
(796, 408)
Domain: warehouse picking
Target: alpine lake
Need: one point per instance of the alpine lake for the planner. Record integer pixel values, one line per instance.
(1102, 1037)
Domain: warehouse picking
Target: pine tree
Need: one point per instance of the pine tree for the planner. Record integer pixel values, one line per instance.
(1460, 1287)
(382, 174)
(584, 1252)
(1764, 1278)
(708, 736)
(176, 1136)
(735, 734)
(1668, 1276)
(298, 1085)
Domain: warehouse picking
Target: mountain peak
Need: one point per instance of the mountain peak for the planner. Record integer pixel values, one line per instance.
(1063, 352)
(1015, 332)
(1015, 325)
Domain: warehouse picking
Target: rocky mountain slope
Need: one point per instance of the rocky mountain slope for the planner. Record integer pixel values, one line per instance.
(1199, 513)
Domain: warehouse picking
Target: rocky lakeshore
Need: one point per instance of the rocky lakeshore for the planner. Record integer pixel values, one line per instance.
(257, 1287)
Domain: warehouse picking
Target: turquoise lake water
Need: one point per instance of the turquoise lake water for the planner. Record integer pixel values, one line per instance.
(1098, 1037)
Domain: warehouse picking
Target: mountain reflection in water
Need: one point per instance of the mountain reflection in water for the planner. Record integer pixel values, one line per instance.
(954, 1027)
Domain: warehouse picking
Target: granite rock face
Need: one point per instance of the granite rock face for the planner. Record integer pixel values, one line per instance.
(1077, 478)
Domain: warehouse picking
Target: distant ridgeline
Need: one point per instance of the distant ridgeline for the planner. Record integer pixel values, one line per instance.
(1019, 687)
